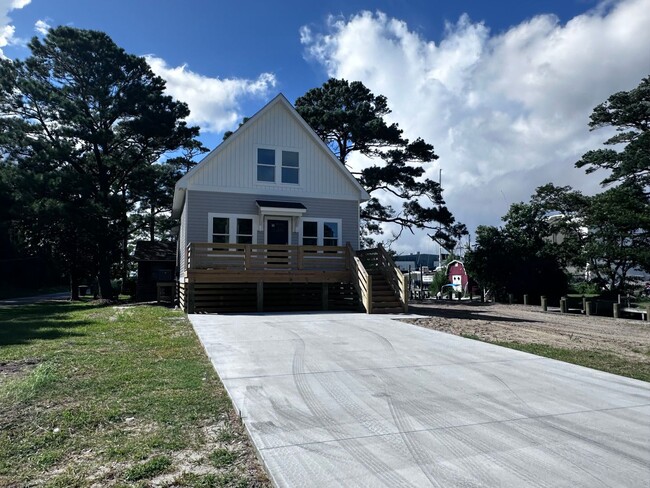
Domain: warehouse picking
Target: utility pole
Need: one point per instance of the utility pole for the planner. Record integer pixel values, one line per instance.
(439, 224)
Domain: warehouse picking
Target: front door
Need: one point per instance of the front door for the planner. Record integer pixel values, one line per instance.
(277, 231)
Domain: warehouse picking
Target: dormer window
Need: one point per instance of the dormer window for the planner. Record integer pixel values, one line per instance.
(278, 166)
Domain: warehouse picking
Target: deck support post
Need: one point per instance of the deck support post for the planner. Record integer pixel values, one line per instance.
(616, 310)
(325, 289)
(587, 308)
(544, 304)
(525, 299)
(563, 308)
(189, 297)
(260, 296)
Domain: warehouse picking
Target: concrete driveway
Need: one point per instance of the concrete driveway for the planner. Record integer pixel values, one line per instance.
(362, 400)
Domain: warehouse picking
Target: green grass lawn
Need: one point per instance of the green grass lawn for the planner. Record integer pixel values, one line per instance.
(114, 396)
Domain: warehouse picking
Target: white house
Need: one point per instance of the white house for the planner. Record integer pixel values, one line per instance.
(278, 193)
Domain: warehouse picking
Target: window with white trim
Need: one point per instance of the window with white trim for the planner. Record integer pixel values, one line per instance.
(320, 232)
(266, 165)
(330, 233)
(244, 231)
(232, 228)
(220, 230)
(309, 233)
(279, 166)
(290, 167)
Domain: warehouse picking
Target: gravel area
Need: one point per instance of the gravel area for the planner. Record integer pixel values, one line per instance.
(528, 324)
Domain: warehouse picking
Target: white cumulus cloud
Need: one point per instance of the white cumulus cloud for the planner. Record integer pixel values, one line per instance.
(42, 27)
(7, 30)
(506, 113)
(214, 102)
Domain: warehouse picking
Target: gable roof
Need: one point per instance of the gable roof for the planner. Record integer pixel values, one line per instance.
(182, 183)
(154, 251)
(455, 261)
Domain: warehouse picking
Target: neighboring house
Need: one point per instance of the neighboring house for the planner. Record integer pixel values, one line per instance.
(457, 275)
(276, 191)
(156, 264)
(417, 260)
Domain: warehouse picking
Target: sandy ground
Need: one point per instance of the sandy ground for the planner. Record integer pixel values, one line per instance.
(528, 324)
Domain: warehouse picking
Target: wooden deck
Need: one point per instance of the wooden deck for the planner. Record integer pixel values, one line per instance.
(258, 277)
(251, 263)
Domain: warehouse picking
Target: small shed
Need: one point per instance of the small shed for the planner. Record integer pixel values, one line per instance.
(156, 269)
(457, 275)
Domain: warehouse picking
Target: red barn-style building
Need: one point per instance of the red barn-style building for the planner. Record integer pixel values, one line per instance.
(457, 275)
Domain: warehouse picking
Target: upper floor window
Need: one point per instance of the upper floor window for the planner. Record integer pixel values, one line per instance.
(265, 165)
(278, 166)
(290, 167)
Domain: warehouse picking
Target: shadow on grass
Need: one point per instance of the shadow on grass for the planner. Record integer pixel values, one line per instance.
(21, 324)
(462, 310)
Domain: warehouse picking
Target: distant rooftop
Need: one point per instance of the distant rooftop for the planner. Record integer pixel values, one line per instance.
(420, 259)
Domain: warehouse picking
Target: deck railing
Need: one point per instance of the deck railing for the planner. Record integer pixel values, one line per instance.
(379, 259)
(261, 257)
(362, 281)
(394, 276)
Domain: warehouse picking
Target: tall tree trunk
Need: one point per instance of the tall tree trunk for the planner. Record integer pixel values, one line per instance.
(104, 272)
(125, 242)
(74, 286)
(152, 224)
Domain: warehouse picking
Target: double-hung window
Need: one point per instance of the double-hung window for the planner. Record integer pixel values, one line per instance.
(321, 232)
(330, 233)
(290, 167)
(309, 233)
(232, 229)
(278, 166)
(244, 231)
(266, 165)
(220, 230)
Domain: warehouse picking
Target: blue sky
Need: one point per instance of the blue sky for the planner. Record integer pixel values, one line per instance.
(502, 89)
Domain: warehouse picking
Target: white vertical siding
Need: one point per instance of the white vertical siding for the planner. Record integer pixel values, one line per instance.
(233, 168)
(183, 237)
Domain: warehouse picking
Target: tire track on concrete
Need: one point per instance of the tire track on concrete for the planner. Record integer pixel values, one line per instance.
(406, 429)
(511, 427)
(384, 472)
(455, 432)
(424, 461)
(548, 421)
(452, 437)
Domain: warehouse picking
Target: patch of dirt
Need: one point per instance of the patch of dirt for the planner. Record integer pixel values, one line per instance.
(629, 339)
(227, 432)
(8, 368)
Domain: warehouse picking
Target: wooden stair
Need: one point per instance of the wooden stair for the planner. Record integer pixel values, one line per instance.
(384, 299)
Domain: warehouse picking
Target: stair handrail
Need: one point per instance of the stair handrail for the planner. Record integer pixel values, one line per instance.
(394, 276)
(361, 280)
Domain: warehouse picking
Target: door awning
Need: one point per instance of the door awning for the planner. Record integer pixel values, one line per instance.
(284, 209)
